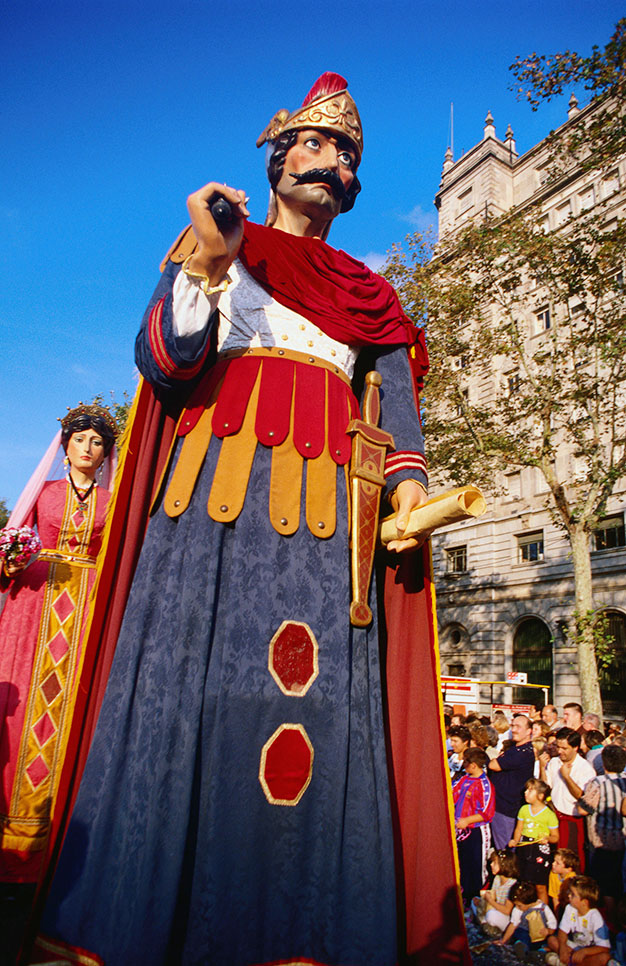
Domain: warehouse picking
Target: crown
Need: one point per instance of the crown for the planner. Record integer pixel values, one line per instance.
(327, 106)
(91, 409)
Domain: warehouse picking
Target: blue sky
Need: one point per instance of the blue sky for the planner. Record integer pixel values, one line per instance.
(112, 113)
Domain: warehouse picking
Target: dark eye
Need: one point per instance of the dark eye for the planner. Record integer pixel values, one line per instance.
(312, 143)
(345, 158)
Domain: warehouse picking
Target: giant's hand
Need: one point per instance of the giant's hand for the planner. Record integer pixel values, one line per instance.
(406, 497)
(217, 247)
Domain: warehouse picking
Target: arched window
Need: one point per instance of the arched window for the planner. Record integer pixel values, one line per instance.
(532, 653)
(613, 678)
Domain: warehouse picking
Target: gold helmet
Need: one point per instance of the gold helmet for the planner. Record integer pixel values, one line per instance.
(327, 106)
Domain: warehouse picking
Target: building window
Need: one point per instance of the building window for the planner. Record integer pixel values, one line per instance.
(563, 213)
(456, 560)
(540, 483)
(530, 547)
(543, 174)
(456, 670)
(514, 485)
(613, 677)
(532, 653)
(609, 533)
(587, 198)
(513, 383)
(462, 403)
(610, 185)
(465, 201)
(543, 320)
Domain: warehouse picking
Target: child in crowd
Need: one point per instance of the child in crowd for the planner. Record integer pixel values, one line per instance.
(532, 921)
(583, 936)
(537, 826)
(474, 805)
(493, 907)
(565, 865)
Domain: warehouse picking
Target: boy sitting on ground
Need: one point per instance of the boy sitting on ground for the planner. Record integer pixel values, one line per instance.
(583, 936)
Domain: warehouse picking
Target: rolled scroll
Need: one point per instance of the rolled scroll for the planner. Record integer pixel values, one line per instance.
(449, 507)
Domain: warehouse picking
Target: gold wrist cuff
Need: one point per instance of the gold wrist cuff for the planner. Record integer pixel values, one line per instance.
(206, 286)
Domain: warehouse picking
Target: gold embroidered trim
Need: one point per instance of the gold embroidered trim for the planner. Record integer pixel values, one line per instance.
(271, 352)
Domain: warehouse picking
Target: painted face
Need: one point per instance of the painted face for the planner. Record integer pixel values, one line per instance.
(317, 150)
(565, 750)
(85, 451)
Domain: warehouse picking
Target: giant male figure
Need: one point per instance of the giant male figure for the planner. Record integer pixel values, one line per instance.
(246, 799)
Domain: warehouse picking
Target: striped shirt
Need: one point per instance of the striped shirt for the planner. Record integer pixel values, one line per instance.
(603, 798)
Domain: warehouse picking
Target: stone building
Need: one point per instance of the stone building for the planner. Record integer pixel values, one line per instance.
(504, 583)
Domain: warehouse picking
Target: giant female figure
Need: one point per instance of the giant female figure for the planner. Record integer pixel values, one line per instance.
(41, 629)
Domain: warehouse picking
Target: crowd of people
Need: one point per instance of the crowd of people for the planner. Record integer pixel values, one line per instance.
(540, 811)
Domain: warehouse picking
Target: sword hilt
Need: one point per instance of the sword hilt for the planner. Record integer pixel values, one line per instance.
(371, 399)
(369, 447)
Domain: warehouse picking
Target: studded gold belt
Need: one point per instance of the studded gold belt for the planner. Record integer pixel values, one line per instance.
(295, 404)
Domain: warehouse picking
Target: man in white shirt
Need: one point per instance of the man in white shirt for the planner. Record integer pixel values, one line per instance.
(567, 776)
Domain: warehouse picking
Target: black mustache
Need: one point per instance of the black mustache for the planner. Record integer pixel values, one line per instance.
(323, 176)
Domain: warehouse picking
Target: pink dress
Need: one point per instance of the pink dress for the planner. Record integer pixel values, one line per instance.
(41, 629)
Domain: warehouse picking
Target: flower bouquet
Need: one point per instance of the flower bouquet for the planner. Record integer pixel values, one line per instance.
(18, 547)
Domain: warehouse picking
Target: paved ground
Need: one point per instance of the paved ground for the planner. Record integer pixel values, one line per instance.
(484, 953)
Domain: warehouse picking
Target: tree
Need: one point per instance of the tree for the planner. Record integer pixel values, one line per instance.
(4, 513)
(119, 410)
(593, 142)
(550, 390)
